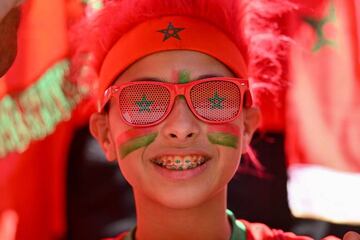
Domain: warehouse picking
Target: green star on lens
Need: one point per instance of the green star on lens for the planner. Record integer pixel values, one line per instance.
(144, 104)
(216, 101)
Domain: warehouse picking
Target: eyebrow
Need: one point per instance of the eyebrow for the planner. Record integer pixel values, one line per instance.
(162, 80)
(141, 79)
(208, 76)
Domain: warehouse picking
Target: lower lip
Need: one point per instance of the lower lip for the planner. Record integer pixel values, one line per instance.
(176, 175)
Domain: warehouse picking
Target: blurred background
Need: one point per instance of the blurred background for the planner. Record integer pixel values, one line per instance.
(56, 184)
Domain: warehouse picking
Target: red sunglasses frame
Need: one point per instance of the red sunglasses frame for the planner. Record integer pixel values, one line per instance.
(182, 89)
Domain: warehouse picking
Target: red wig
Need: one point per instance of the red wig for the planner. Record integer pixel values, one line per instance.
(250, 24)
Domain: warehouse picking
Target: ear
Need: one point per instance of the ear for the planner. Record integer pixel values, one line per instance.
(100, 129)
(251, 123)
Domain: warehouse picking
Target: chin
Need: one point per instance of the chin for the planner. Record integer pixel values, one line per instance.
(185, 197)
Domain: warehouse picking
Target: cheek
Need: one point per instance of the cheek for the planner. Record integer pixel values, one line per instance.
(134, 139)
(227, 135)
(230, 160)
(228, 139)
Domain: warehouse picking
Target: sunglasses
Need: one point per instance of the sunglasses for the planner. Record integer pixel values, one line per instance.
(212, 100)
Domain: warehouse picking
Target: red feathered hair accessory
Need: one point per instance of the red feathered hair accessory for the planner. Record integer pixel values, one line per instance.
(248, 23)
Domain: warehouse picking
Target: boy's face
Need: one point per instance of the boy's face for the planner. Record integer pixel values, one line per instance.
(210, 153)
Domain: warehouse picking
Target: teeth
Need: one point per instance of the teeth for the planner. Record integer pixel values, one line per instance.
(180, 162)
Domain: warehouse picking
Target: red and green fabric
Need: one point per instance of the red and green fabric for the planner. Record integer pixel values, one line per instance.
(238, 230)
(243, 230)
(39, 111)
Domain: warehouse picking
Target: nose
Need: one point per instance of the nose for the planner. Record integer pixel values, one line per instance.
(181, 126)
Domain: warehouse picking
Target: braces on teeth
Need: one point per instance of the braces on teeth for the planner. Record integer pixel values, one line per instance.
(180, 163)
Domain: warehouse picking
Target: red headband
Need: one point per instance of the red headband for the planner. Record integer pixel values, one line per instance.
(169, 33)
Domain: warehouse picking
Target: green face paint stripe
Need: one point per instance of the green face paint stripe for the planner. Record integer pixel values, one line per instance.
(136, 143)
(224, 139)
(184, 76)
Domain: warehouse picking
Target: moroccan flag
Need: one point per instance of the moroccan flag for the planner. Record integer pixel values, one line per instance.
(323, 128)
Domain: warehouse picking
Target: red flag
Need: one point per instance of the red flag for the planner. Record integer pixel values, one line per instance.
(324, 113)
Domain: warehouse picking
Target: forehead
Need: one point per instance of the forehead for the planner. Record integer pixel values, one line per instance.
(170, 65)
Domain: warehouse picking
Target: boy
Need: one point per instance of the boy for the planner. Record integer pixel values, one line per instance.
(175, 110)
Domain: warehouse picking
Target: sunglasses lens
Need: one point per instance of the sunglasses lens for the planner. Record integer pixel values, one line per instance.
(216, 101)
(143, 104)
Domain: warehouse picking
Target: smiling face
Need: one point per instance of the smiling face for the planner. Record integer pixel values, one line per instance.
(182, 161)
